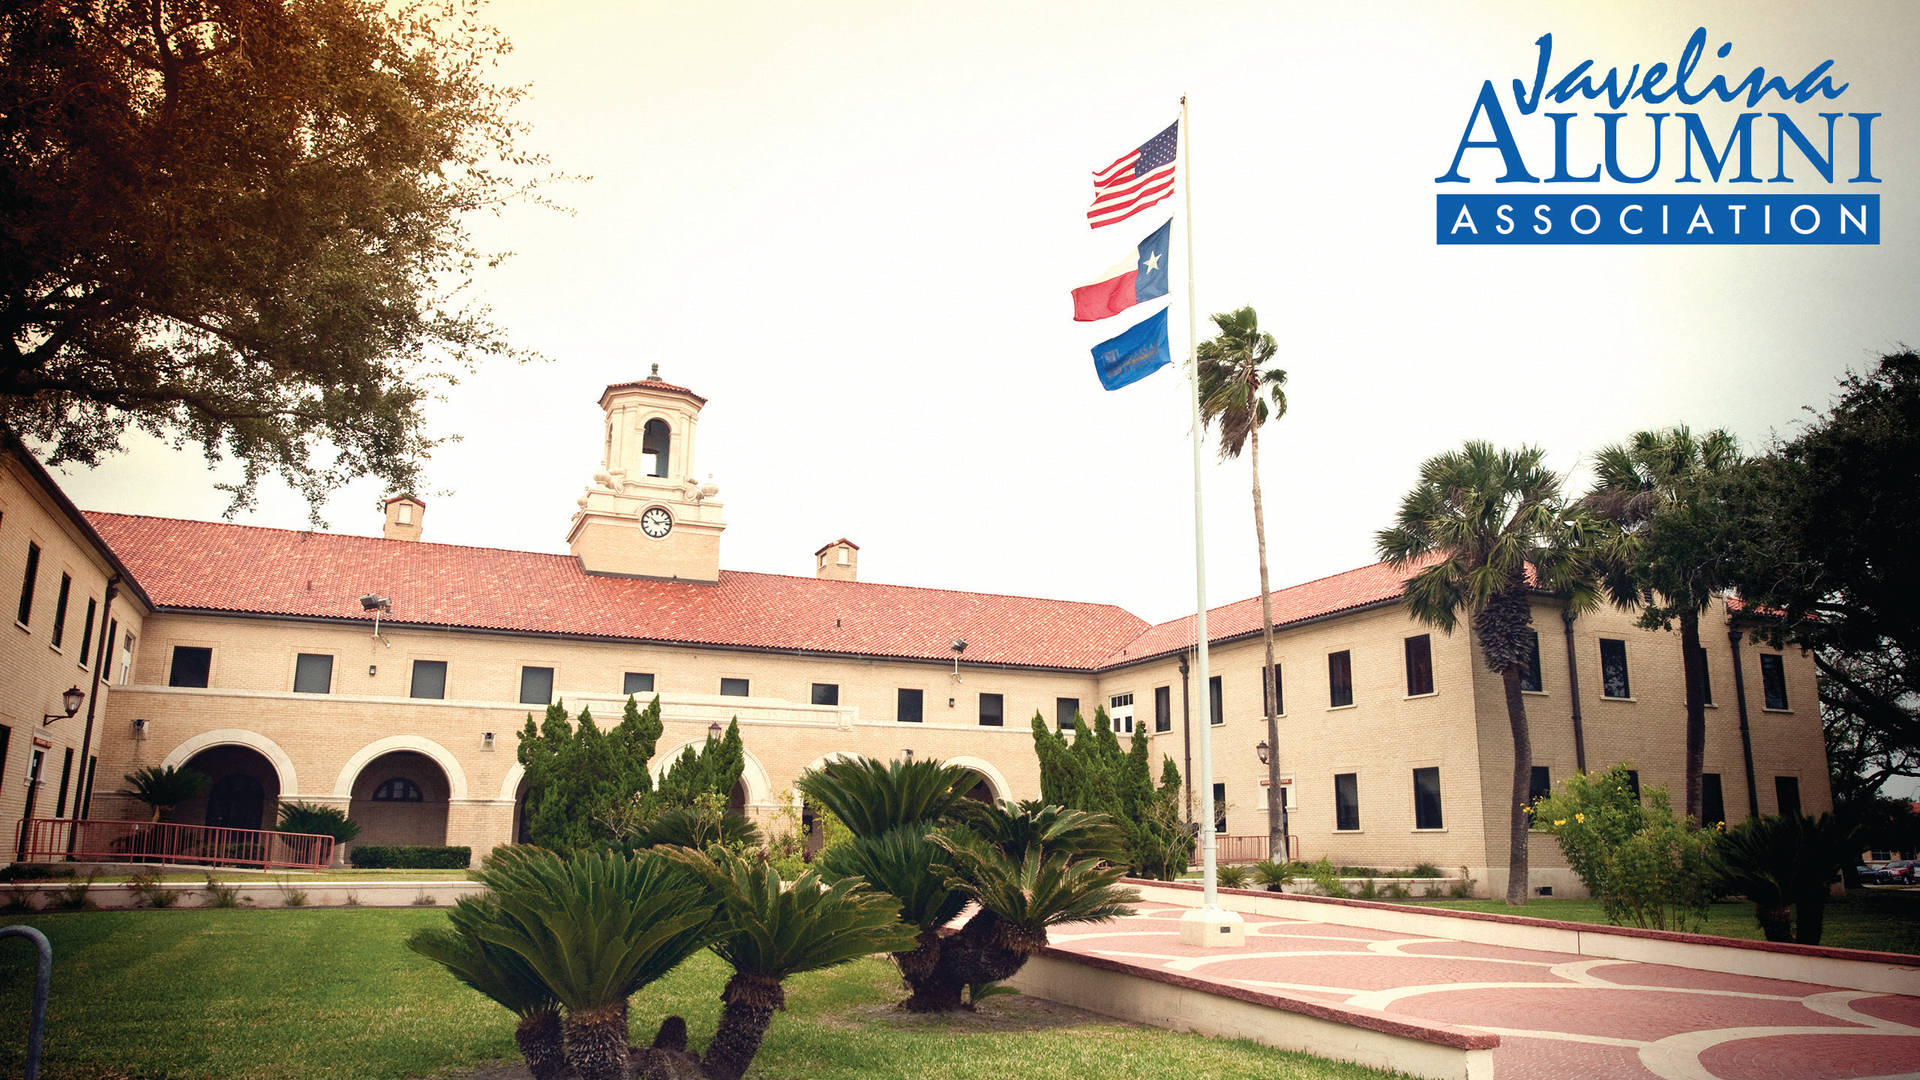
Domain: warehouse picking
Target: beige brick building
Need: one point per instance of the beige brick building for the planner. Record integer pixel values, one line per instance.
(391, 676)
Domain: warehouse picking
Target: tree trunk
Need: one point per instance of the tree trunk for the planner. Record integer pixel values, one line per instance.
(1276, 795)
(750, 1004)
(539, 1039)
(1522, 786)
(1696, 682)
(1775, 922)
(595, 1041)
(926, 992)
(1810, 915)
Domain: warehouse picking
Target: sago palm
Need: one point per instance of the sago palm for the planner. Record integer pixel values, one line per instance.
(164, 789)
(502, 975)
(1478, 531)
(774, 929)
(872, 797)
(1669, 553)
(1787, 861)
(595, 928)
(1239, 392)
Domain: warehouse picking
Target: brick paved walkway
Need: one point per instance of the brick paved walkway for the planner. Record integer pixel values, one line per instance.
(1557, 1015)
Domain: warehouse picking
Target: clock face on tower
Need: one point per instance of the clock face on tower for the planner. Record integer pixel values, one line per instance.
(656, 522)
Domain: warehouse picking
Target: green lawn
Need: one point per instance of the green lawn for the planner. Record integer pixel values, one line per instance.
(1884, 919)
(317, 994)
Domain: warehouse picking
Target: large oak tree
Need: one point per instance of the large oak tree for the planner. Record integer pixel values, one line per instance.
(239, 222)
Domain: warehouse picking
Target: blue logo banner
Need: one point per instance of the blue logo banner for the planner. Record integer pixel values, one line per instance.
(1134, 354)
(1657, 219)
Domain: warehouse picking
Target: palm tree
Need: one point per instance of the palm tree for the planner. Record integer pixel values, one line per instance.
(164, 789)
(917, 839)
(774, 929)
(502, 975)
(1236, 387)
(1669, 553)
(1785, 864)
(1485, 527)
(593, 929)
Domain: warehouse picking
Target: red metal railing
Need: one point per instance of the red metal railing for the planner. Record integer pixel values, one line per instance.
(1243, 849)
(165, 842)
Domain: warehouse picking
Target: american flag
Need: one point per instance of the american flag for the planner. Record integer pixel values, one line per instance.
(1141, 178)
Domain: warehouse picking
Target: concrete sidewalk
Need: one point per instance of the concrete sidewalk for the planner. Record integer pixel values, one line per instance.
(1555, 1014)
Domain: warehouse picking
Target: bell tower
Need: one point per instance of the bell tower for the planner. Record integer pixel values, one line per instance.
(645, 515)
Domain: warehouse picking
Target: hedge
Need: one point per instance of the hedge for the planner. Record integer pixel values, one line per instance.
(409, 857)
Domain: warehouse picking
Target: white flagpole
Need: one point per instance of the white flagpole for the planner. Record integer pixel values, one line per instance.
(1208, 924)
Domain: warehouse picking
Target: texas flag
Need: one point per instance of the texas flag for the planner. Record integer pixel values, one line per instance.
(1125, 284)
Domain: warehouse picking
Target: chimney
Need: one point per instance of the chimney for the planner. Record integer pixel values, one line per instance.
(404, 514)
(838, 561)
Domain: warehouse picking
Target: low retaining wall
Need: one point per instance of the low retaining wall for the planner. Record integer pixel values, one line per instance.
(1166, 1000)
(264, 894)
(1853, 969)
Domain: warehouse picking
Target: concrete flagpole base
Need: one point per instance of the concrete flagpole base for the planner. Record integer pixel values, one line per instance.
(1213, 928)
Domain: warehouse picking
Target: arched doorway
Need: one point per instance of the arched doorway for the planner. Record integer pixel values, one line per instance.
(522, 826)
(982, 789)
(244, 793)
(401, 798)
(737, 798)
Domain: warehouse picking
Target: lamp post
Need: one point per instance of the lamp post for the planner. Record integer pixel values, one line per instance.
(1264, 751)
(714, 731)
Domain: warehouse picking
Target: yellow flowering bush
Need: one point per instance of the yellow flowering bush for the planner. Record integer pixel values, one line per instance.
(1648, 867)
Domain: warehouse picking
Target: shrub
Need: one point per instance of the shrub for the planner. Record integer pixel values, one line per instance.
(1271, 875)
(18, 900)
(222, 896)
(1232, 877)
(1649, 868)
(1433, 891)
(147, 889)
(1463, 888)
(1327, 877)
(34, 872)
(410, 857)
(1424, 870)
(74, 896)
(1398, 891)
(1784, 865)
(1369, 890)
(300, 817)
(293, 897)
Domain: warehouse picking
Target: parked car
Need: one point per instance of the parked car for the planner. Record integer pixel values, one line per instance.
(1899, 873)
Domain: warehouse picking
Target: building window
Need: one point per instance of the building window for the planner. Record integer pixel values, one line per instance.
(536, 685)
(1162, 708)
(655, 440)
(1278, 692)
(1613, 669)
(1633, 782)
(126, 658)
(1340, 678)
(1216, 701)
(1419, 665)
(1120, 713)
(1786, 794)
(1426, 799)
(86, 632)
(1539, 784)
(25, 614)
(192, 664)
(1346, 801)
(85, 797)
(1713, 803)
(733, 688)
(1706, 681)
(826, 693)
(1219, 808)
(6, 738)
(1064, 710)
(1530, 675)
(60, 611)
(1773, 680)
(313, 673)
(907, 706)
(66, 780)
(636, 682)
(429, 679)
(993, 710)
(398, 789)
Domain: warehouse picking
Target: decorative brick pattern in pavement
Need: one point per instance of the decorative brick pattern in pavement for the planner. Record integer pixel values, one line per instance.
(1558, 1016)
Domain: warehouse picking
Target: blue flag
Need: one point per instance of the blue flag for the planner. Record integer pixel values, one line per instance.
(1135, 354)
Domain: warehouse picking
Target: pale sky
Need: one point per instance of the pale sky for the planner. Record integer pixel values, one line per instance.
(853, 228)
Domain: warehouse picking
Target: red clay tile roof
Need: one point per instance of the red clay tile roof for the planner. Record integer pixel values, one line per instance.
(651, 383)
(1313, 599)
(216, 567)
